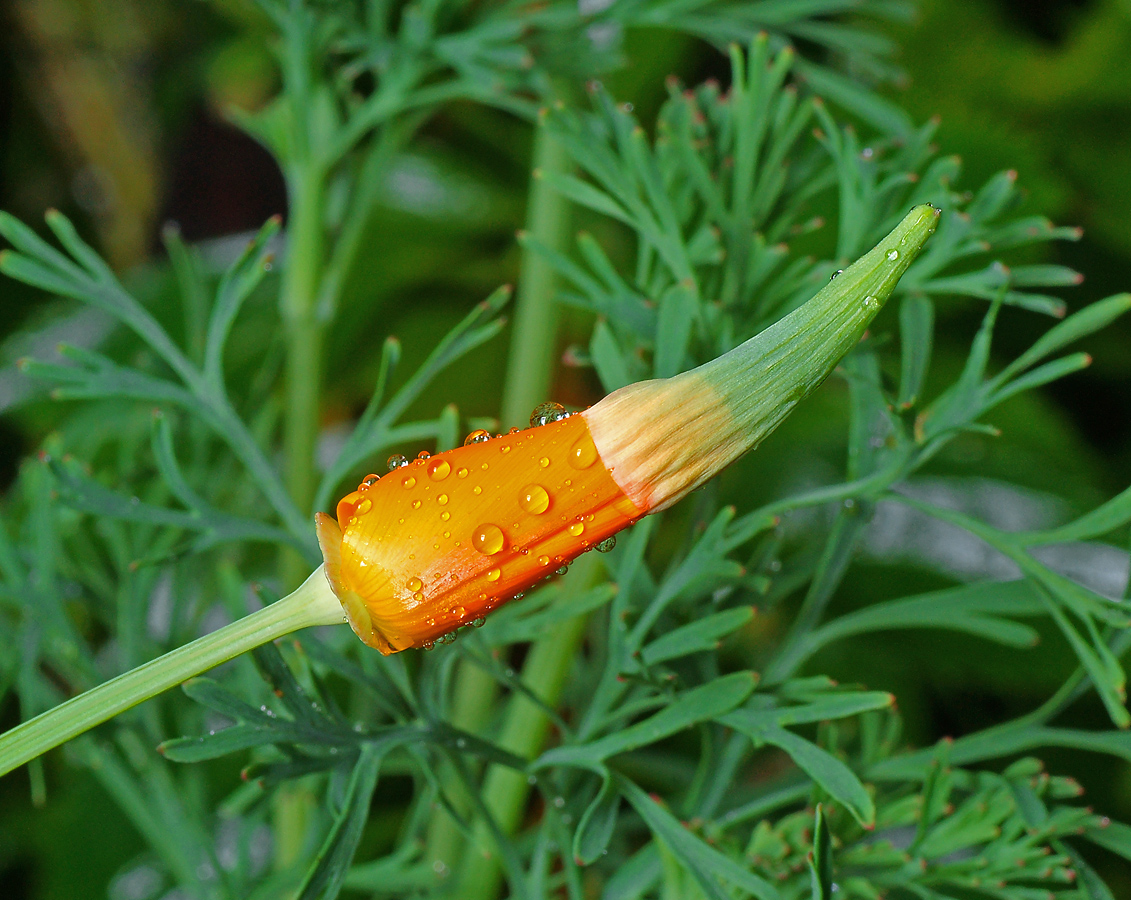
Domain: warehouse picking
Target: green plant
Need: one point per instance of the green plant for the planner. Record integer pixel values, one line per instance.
(641, 661)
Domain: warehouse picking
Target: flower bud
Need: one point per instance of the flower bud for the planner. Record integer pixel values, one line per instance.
(438, 543)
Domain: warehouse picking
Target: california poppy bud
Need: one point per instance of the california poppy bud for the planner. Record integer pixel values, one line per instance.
(440, 542)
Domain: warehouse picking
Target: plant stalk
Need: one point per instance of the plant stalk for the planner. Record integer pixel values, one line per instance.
(312, 604)
(304, 333)
(525, 729)
(531, 363)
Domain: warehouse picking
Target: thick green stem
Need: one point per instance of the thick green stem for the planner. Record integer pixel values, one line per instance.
(530, 365)
(530, 369)
(312, 604)
(525, 729)
(304, 347)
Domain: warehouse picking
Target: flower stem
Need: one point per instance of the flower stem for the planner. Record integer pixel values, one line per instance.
(530, 364)
(524, 732)
(312, 604)
(530, 368)
(304, 348)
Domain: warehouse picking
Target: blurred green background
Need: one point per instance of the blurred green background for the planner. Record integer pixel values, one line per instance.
(115, 113)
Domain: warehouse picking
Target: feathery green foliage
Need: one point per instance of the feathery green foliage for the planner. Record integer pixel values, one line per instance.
(689, 749)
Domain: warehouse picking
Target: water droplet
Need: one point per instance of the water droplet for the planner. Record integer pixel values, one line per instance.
(461, 473)
(418, 597)
(583, 453)
(506, 448)
(576, 529)
(544, 461)
(445, 515)
(409, 482)
(479, 623)
(415, 584)
(606, 545)
(423, 454)
(439, 469)
(477, 490)
(447, 639)
(447, 534)
(416, 504)
(559, 802)
(534, 499)
(488, 539)
(364, 506)
(893, 255)
(871, 303)
(562, 570)
(837, 272)
(396, 461)
(543, 560)
(442, 499)
(427, 645)
(459, 612)
(478, 436)
(545, 413)
(369, 481)
(494, 574)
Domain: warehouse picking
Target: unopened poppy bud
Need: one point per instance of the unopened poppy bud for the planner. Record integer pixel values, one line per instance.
(439, 543)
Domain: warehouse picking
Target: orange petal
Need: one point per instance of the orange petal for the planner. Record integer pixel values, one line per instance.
(441, 542)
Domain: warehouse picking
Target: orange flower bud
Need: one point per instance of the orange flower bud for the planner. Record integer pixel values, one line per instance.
(439, 543)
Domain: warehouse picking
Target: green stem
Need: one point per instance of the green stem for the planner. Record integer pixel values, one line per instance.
(312, 604)
(530, 368)
(304, 347)
(530, 364)
(525, 728)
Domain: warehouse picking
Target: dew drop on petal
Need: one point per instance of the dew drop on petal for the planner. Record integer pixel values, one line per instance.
(423, 454)
(488, 539)
(893, 255)
(477, 490)
(494, 574)
(461, 473)
(439, 469)
(445, 515)
(364, 506)
(415, 584)
(547, 412)
(544, 461)
(409, 482)
(871, 303)
(534, 499)
(479, 623)
(583, 453)
(606, 545)
(576, 529)
(478, 436)
(369, 480)
(506, 448)
(396, 461)
(543, 560)
(418, 597)
(416, 504)
(442, 499)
